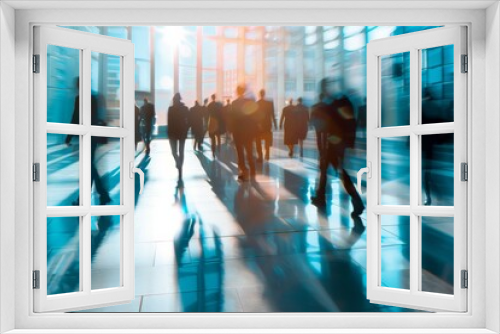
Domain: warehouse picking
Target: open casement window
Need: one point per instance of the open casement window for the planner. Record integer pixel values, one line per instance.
(83, 165)
(417, 155)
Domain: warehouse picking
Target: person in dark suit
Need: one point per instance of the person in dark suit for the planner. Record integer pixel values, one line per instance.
(177, 129)
(302, 120)
(319, 122)
(290, 121)
(137, 125)
(244, 128)
(95, 178)
(265, 121)
(340, 134)
(215, 124)
(148, 114)
(226, 117)
(196, 123)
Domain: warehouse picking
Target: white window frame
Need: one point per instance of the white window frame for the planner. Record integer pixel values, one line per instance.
(85, 43)
(414, 44)
(483, 49)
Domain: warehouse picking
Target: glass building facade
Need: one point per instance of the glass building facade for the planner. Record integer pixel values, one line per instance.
(288, 62)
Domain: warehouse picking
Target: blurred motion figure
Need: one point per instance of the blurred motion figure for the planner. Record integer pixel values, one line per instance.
(265, 119)
(178, 126)
(148, 115)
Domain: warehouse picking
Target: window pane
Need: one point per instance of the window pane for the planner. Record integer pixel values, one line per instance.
(105, 248)
(437, 254)
(105, 98)
(395, 95)
(63, 255)
(63, 170)
(395, 171)
(437, 170)
(437, 84)
(63, 73)
(105, 171)
(395, 259)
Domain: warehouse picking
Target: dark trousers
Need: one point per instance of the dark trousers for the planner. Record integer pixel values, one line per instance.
(215, 140)
(335, 156)
(267, 137)
(244, 147)
(147, 138)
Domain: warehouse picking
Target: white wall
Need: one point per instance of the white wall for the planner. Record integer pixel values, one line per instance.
(492, 149)
(7, 162)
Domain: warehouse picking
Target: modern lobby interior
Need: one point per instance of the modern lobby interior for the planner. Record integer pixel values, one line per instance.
(214, 243)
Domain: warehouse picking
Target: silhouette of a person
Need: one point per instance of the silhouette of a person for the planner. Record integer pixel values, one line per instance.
(196, 123)
(290, 121)
(215, 123)
(265, 120)
(94, 142)
(177, 129)
(148, 114)
(340, 133)
(301, 113)
(244, 130)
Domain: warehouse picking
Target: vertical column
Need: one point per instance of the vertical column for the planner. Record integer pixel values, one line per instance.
(176, 69)
(219, 65)
(152, 88)
(319, 57)
(299, 49)
(199, 63)
(280, 103)
(261, 56)
(341, 60)
(240, 55)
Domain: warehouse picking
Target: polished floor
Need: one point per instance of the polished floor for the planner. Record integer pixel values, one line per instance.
(219, 245)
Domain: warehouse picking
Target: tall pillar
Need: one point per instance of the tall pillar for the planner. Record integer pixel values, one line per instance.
(319, 58)
(219, 65)
(152, 81)
(176, 69)
(260, 67)
(280, 82)
(199, 64)
(240, 55)
(299, 64)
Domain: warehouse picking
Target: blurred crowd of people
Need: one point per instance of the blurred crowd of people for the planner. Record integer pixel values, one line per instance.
(245, 124)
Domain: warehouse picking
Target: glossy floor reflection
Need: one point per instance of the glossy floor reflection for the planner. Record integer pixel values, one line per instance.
(217, 245)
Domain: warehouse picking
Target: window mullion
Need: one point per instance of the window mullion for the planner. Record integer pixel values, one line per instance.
(414, 172)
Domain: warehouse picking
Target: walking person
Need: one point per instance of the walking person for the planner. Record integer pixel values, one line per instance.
(137, 125)
(177, 129)
(265, 121)
(95, 178)
(244, 129)
(226, 118)
(289, 119)
(196, 123)
(148, 115)
(215, 124)
(302, 122)
(340, 134)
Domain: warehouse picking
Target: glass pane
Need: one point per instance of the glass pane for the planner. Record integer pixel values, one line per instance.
(63, 72)
(395, 258)
(63, 170)
(395, 94)
(105, 248)
(437, 84)
(63, 255)
(105, 171)
(395, 170)
(437, 170)
(437, 254)
(105, 82)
